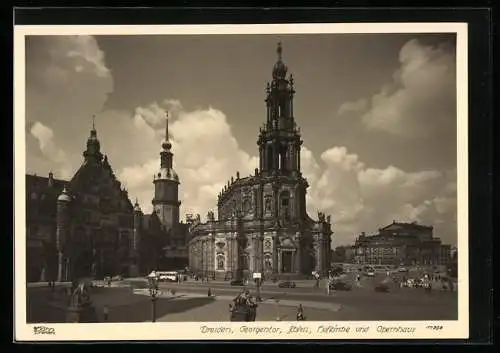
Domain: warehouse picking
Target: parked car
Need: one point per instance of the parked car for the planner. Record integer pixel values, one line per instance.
(370, 273)
(382, 287)
(237, 282)
(287, 284)
(402, 269)
(340, 285)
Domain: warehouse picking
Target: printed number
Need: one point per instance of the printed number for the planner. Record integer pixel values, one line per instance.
(43, 330)
(434, 327)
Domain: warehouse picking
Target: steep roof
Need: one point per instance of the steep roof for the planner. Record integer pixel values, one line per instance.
(402, 225)
(36, 182)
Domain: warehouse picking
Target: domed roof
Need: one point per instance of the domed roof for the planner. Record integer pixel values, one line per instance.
(64, 196)
(137, 208)
(280, 70)
(167, 174)
(166, 145)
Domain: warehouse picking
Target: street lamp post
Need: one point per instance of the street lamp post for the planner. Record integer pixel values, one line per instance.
(153, 292)
(259, 299)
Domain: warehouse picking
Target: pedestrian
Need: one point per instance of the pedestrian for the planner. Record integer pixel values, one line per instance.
(300, 313)
(105, 312)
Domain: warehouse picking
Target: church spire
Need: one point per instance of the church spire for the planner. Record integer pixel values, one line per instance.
(166, 145)
(279, 69)
(166, 154)
(93, 151)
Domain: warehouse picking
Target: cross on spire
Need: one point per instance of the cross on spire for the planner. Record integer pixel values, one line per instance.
(166, 128)
(279, 50)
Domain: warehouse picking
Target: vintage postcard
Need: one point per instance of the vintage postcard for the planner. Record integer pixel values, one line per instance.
(248, 182)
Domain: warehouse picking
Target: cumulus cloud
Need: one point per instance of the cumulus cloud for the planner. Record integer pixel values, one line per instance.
(206, 155)
(353, 107)
(55, 156)
(361, 198)
(420, 100)
(67, 81)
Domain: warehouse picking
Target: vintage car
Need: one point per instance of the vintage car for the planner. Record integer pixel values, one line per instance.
(382, 287)
(243, 310)
(237, 282)
(340, 285)
(287, 284)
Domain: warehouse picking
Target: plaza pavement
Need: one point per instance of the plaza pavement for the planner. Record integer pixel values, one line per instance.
(128, 301)
(125, 305)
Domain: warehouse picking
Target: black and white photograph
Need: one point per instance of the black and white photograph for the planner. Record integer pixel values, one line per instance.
(262, 177)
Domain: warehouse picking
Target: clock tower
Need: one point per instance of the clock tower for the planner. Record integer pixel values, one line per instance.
(166, 181)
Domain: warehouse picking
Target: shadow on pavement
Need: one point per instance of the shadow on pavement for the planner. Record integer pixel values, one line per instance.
(125, 307)
(142, 311)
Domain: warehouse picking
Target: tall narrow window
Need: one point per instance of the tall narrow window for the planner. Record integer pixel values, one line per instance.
(285, 204)
(269, 158)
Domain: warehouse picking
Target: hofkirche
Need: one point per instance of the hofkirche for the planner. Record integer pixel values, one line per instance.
(262, 224)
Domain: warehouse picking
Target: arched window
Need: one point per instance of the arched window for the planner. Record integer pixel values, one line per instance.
(245, 262)
(220, 262)
(268, 262)
(285, 204)
(246, 205)
(269, 157)
(282, 157)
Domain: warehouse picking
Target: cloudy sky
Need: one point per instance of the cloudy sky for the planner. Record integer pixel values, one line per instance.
(377, 113)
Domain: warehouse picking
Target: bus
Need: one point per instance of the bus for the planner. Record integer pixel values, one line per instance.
(167, 276)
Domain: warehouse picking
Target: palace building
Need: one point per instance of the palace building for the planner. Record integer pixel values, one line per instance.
(82, 227)
(87, 226)
(262, 224)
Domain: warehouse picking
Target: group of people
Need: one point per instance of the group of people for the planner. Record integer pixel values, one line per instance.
(244, 298)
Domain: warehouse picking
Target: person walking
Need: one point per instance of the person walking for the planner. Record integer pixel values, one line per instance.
(300, 313)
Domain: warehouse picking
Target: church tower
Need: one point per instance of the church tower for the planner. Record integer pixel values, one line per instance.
(166, 200)
(93, 153)
(279, 140)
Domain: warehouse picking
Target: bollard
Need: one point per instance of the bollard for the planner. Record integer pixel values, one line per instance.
(105, 312)
(209, 292)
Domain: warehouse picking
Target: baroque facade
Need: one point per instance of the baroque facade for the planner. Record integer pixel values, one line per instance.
(82, 227)
(162, 237)
(402, 244)
(262, 224)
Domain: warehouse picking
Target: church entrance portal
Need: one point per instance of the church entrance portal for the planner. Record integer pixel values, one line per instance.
(286, 261)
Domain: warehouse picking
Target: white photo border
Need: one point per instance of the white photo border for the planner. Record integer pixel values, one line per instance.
(457, 329)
